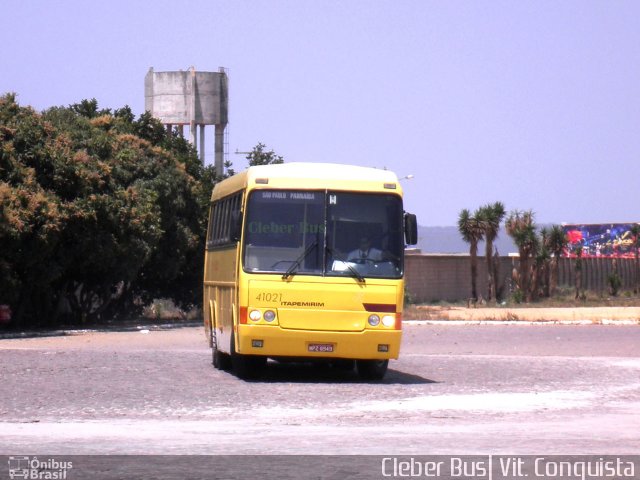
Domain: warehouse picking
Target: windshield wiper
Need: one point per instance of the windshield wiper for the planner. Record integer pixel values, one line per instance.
(296, 264)
(353, 271)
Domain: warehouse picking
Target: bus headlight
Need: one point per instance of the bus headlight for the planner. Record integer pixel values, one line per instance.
(255, 315)
(269, 315)
(374, 320)
(388, 320)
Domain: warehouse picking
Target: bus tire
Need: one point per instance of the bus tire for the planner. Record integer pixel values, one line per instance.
(372, 369)
(247, 367)
(220, 360)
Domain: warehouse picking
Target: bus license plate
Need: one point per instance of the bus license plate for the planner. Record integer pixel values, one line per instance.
(321, 347)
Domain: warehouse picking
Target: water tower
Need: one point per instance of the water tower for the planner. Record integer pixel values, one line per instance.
(190, 98)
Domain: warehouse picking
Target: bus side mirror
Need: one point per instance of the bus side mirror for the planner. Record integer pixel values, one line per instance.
(410, 229)
(236, 225)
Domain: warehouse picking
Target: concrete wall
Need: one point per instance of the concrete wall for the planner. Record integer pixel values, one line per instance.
(432, 278)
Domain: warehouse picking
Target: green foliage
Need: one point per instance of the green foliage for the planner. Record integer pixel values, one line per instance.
(615, 283)
(408, 297)
(260, 156)
(490, 216)
(99, 212)
(577, 250)
(517, 296)
(471, 227)
(556, 240)
(521, 228)
(578, 272)
(88, 109)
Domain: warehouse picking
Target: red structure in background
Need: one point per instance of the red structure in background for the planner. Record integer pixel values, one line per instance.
(609, 240)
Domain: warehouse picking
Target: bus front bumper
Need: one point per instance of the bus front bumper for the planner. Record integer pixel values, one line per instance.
(273, 341)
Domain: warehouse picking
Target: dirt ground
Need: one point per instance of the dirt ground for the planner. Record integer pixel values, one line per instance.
(596, 315)
(456, 389)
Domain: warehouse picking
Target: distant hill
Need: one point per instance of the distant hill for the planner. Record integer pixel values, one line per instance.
(448, 240)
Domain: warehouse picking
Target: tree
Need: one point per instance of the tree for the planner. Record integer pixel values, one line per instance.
(613, 279)
(490, 216)
(543, 267)
(260, 156)
(88, 109)
(556, 242)
(98, 212)
(521, 228)
(578, 269)
(472, 231)
(31, 215)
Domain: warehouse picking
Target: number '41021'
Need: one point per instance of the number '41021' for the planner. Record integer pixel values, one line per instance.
(269, 297)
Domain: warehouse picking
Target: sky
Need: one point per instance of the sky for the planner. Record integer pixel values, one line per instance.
(532, 103)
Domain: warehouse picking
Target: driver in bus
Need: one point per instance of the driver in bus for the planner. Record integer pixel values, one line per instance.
(365, 252)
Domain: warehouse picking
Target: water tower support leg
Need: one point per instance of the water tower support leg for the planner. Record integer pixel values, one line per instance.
(202, 143)
(219, 149)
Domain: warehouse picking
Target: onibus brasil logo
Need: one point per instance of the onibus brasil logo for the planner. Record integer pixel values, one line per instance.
(22, 467)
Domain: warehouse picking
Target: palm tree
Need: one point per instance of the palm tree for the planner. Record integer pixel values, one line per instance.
(556, 243)
(578, 267)
(490, 217)
(522, 229)
(472, 232)
(635, 232)
(542, 270)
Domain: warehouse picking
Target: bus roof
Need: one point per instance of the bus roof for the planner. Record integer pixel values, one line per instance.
(299, 175)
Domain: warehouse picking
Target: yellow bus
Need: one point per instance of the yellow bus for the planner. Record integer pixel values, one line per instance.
(305, 261)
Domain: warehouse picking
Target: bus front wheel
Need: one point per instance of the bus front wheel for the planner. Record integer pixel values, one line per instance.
(247, 367)
(372, 369)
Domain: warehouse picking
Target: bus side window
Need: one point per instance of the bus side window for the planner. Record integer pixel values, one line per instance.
(210, 227)
(224, 233)
(213, 217)
(223, 220)
(235, 220)
(216, 223)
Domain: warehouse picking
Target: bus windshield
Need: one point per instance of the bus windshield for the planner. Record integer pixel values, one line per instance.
(324, 233)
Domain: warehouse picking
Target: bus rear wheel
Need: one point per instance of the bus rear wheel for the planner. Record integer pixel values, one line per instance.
(372, 369)
(220, 360)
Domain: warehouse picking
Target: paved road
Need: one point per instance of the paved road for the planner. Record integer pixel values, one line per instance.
(455, 390)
